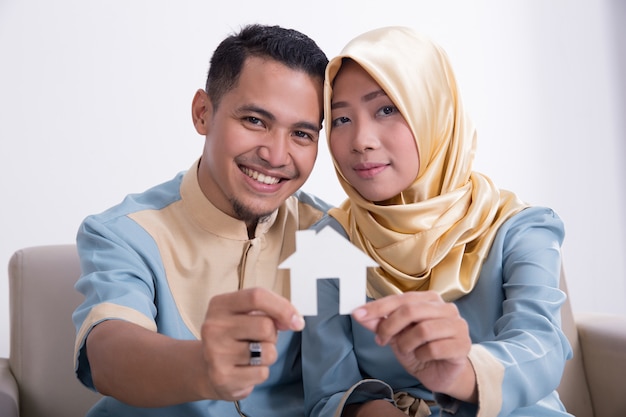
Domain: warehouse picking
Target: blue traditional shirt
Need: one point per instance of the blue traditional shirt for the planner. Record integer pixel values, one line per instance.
(513, 313)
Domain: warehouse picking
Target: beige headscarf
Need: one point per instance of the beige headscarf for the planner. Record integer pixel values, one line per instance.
(437, 232)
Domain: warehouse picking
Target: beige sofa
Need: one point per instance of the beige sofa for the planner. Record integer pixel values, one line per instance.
(37, 380)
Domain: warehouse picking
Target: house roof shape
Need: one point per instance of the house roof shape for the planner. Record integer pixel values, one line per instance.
(327, 254)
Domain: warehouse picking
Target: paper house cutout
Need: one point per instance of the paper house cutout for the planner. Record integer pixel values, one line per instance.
(322, 255)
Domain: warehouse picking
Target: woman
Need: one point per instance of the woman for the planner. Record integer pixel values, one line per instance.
(464, 311)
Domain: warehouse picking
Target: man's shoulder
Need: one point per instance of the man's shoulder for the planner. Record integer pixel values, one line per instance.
(154, 198)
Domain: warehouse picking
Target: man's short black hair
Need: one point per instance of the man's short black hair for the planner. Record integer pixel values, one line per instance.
(287, 46)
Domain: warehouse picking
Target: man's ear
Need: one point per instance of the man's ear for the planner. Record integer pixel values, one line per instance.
(201, 111)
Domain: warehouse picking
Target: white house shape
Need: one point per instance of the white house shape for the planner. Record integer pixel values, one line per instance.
(322, 255)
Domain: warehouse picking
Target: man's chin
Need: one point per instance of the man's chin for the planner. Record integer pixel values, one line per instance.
(252, 214)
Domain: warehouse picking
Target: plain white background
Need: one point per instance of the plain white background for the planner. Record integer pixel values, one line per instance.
(95, 104)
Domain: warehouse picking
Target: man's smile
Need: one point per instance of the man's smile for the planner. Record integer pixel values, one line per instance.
(260, 177)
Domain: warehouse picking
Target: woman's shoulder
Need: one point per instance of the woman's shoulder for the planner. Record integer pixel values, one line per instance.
(533, 227)
(533, 217)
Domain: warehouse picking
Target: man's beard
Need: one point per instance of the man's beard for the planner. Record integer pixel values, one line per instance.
(243, 213)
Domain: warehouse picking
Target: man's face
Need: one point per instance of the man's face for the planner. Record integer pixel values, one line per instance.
(261, 142)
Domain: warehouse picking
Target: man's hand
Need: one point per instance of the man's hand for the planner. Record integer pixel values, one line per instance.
(232, 322)
(429, 338)
(147, 369)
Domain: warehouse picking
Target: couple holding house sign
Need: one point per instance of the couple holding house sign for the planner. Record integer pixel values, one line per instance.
(187, 288)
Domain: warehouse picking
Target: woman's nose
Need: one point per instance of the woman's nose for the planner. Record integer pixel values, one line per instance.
(365, 138)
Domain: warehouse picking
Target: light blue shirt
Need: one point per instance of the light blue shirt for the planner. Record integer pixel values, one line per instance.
(128, 274)
(513, 313)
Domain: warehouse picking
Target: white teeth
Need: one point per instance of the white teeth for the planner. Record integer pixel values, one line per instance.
(265, 179)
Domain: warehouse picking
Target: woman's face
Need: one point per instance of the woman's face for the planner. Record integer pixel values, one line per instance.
(369, 138)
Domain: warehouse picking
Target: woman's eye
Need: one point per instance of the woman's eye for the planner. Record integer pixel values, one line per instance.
(339, 121)
(387, 110)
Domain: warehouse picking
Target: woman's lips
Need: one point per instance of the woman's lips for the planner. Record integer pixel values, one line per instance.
(368, 170)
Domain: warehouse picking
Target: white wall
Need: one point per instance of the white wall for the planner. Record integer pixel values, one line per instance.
(95, 103)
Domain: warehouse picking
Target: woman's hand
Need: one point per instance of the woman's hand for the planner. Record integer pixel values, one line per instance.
(429, 338)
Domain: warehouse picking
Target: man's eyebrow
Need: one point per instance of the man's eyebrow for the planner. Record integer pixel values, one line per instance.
(308, 126)
(258, 110)
(367, 97)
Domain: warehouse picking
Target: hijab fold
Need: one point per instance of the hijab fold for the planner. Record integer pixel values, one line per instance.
(435, 234)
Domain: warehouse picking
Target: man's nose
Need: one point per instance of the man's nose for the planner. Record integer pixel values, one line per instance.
(275, 150)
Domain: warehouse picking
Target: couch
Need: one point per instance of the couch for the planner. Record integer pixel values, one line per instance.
(37, 380)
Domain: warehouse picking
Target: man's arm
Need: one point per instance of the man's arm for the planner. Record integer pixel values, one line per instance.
(144, 368)
(147, 369)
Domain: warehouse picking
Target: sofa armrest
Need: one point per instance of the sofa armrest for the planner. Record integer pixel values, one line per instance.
(9, 399)
(603, 344)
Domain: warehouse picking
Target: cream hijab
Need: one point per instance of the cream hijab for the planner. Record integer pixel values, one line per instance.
(435, 234)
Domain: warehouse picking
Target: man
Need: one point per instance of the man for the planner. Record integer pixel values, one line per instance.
(185, 311)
